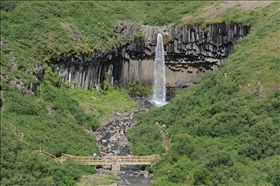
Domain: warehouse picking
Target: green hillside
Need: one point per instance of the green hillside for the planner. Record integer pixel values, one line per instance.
(223, 131)
(31, 33)
(226, 129)
(35, 31)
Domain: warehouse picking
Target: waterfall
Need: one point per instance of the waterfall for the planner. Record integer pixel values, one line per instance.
(159, 94)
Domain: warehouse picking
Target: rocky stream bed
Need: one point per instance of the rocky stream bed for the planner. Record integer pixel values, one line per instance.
(113, 142)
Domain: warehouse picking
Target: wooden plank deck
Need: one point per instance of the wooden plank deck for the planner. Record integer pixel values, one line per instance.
(122, 160)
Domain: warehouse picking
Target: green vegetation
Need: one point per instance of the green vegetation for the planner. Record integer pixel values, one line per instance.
(53, 121)
(102, 103)
(139, 35)
(138, 89)
(150, 142)
(95, 180)
(45, 120)
(22, 166)
(225, 130)
(32, 32)
(45, 29)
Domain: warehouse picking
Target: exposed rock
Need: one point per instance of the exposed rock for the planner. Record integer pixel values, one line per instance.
(49, 109)
(8, 52)
(21, 84)
(190, 51)
(38, 71)
(13, 63)
(115, 143)
(262, 93)
(145, 173)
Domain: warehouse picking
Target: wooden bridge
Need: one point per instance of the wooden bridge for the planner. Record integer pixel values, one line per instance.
(114, 161)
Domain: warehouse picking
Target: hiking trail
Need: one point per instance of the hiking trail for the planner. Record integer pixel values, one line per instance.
(165, 140)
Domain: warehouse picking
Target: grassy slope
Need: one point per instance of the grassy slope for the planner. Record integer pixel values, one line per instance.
(31, 33)
(35, 28)
(225, 130)
(102, 103)
(60, 28)
(52, 121)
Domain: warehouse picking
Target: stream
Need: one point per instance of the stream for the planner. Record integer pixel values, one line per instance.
(113, 142)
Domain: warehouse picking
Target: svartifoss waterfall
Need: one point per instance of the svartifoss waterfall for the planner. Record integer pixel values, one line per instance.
(159, 94)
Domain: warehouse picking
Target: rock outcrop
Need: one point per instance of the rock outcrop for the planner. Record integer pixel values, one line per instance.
(35, 73)
(190, 51)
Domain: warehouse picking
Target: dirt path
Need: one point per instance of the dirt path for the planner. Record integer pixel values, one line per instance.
(218, 8)
(165, 140)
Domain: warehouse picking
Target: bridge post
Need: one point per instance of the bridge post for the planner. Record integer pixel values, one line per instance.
(116, 167)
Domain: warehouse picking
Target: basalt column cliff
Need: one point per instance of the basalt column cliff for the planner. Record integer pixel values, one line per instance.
(190, 51)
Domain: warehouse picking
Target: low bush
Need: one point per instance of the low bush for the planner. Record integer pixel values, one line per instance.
(224, 126)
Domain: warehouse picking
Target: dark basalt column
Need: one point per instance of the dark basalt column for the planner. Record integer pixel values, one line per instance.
(190, 51)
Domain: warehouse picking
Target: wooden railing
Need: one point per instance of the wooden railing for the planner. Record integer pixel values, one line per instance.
(105, 160)
(15, 130)
(90, 160)
(57, 159)
(18, 133)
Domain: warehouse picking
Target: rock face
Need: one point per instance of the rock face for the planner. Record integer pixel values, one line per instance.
(190, 51)
(35, 72)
